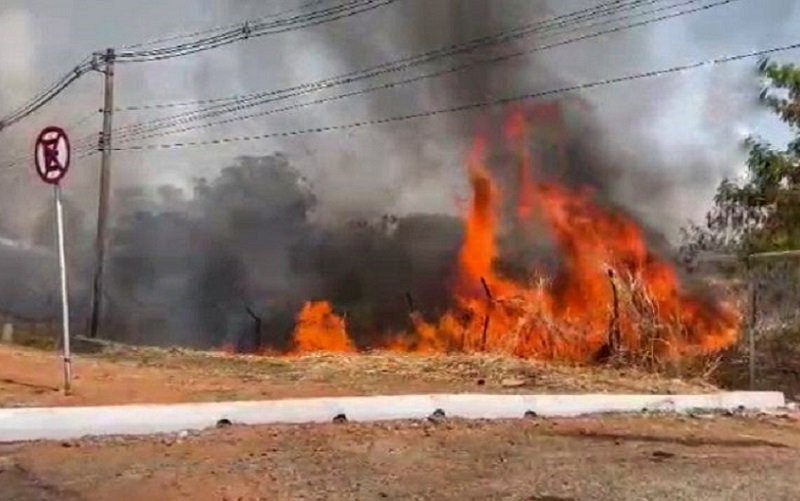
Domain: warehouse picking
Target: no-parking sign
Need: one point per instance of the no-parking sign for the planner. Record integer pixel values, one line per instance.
(52, 155)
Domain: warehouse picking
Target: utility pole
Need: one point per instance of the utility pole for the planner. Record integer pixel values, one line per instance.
(102, 204)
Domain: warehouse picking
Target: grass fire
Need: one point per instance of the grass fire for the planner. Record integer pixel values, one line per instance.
(609, 295)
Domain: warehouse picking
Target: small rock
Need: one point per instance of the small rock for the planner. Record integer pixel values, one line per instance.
(183, 434)
(513, 383)
(663, 455)
(438, 416)
(480, 382)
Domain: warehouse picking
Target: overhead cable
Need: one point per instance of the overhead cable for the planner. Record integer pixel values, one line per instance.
(266, 97)
(157, 130)
(469, 106)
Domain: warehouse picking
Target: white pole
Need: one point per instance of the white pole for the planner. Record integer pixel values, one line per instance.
(62, 264)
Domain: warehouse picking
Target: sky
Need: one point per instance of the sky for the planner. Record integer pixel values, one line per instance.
(685, 128)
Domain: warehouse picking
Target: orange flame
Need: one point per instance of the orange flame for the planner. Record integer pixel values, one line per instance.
(319, 329)
(610, 291)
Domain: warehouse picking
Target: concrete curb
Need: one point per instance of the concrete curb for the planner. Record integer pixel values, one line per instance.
(64, 423)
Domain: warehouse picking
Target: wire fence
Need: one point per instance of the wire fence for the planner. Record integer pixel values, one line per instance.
(767, 289)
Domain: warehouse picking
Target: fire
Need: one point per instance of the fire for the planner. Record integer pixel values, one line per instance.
(610, 295)
(319, 329)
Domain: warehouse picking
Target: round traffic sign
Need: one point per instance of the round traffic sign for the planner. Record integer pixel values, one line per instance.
(52, 155)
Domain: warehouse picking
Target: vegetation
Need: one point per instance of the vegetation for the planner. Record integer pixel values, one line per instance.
(760, 212)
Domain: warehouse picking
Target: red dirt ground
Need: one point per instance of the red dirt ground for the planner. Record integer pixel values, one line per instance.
(613, 458)
(32, 378)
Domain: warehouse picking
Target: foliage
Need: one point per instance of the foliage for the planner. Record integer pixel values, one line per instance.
(760, 212)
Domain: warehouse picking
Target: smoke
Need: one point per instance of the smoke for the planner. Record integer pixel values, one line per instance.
(204, 248)
(16, 52)
(244, 246)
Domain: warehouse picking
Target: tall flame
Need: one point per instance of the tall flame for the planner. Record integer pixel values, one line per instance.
(610, 293)
(319, 329)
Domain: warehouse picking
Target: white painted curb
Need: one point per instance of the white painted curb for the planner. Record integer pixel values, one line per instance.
(62, 423)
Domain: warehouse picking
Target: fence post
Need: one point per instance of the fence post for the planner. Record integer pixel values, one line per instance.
(614, 333)
(489, 307)
(751, 328)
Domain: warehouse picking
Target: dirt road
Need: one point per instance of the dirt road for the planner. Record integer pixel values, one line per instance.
(615, 458)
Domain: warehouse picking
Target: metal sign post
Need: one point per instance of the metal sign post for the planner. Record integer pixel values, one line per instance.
(52, 158)
(62, 264)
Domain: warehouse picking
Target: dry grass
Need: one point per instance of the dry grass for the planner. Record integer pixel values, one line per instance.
(393, 371)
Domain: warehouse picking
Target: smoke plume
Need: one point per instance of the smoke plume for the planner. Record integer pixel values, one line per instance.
(224, 245)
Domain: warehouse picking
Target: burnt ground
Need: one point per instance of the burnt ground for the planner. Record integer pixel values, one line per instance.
(613, 458)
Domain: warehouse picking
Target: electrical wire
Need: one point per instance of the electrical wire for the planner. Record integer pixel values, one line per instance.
(195, 34)
(77, 153)
(47, 95)
(453, 49)
(258, 99)
(247, 31)
(153, 131)
(24, 155)
(255, 30)
(471, 106)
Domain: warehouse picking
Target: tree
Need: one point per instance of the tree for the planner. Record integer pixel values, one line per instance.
(760, 212)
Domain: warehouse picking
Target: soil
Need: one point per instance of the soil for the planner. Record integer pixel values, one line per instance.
(613, 458)
(30, 377)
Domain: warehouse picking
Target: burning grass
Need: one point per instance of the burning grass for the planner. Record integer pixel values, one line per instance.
(611, 298)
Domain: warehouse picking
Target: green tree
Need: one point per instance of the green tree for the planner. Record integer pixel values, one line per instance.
(761, 211)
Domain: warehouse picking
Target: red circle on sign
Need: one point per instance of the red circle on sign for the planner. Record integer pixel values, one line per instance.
(52, 155)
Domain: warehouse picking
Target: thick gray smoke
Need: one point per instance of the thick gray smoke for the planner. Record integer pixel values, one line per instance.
(234, 260)
(222, 245)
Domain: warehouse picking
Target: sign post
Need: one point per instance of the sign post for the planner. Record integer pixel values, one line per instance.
(52, 158)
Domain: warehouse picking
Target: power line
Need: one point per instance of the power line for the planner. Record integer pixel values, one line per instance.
(153, 131)
(248, 27)
(472, 106)
(81, 121)
(195, 34)
(247, 31)
(250, 30)
(258, 99)
(48, 94)
(449, 50)
(76, 124)
(77, 154)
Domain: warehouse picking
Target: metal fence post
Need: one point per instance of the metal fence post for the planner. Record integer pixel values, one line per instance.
(752, 323)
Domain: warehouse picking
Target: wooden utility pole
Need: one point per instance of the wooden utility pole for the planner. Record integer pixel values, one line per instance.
(105, 184)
